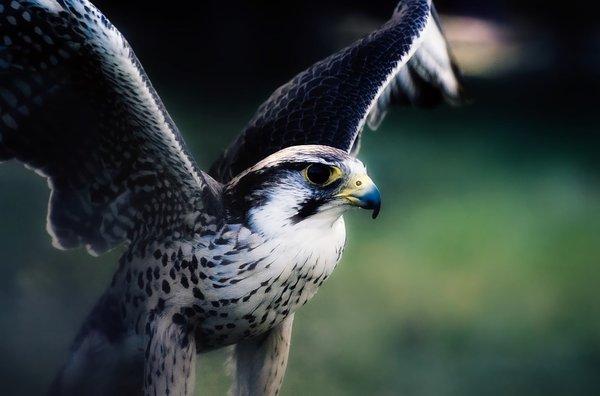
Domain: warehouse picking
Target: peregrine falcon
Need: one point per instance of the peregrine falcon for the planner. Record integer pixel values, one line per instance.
(211, 259)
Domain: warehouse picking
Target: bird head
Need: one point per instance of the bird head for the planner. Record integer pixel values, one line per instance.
(308, 185)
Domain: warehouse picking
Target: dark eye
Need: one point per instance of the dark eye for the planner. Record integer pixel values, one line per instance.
(318, 174)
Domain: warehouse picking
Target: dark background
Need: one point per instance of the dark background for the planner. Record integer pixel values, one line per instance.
(481, 275)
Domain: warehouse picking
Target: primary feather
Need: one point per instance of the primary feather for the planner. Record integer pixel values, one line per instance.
(406, 62)
(76, 106)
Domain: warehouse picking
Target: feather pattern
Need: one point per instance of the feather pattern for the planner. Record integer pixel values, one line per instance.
(76, 106)
(406, 61)
(259, 364)
(429, 77)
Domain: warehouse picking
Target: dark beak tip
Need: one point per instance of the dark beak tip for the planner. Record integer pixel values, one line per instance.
(376, 212)
(373, 204)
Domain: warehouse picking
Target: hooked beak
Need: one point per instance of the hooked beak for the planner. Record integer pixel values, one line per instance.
(362, 192)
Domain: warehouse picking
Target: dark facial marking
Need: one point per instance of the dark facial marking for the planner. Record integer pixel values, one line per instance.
(247, 192)
(307, 208)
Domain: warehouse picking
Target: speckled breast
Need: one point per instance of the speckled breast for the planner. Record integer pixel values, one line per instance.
(266, 294)
(226, 285)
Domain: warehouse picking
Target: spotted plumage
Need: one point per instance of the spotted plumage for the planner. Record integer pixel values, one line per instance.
(210, 260)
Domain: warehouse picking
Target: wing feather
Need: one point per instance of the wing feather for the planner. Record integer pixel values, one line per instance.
(430, 77)
(77, 107)
(405, 62)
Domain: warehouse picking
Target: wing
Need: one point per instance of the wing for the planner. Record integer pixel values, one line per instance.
(405, 62)
(430, 76)
(76, 106)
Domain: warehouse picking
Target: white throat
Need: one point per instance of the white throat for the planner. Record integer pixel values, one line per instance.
(277, 219)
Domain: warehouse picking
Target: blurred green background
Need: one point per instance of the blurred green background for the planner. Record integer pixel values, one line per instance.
(480, 277)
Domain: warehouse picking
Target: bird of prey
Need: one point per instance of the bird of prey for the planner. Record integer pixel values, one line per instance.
(211, 259)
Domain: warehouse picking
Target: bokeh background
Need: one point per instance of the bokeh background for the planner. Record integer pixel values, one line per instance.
(481, 276)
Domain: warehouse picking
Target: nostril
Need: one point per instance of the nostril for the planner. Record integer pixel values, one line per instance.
(358, 183)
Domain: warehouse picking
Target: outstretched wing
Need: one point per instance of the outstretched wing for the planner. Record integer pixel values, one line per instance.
(406, 62)
(76, 106)
(430, 76)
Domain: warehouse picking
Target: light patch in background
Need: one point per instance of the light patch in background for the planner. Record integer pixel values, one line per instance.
(486, 48)
(483, 48)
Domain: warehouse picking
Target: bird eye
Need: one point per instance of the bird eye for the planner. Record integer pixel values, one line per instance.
(321, 174)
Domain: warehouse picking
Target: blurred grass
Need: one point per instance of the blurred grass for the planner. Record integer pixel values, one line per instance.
(479, 277)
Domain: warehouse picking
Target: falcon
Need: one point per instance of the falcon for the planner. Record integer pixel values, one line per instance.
(211, 259)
